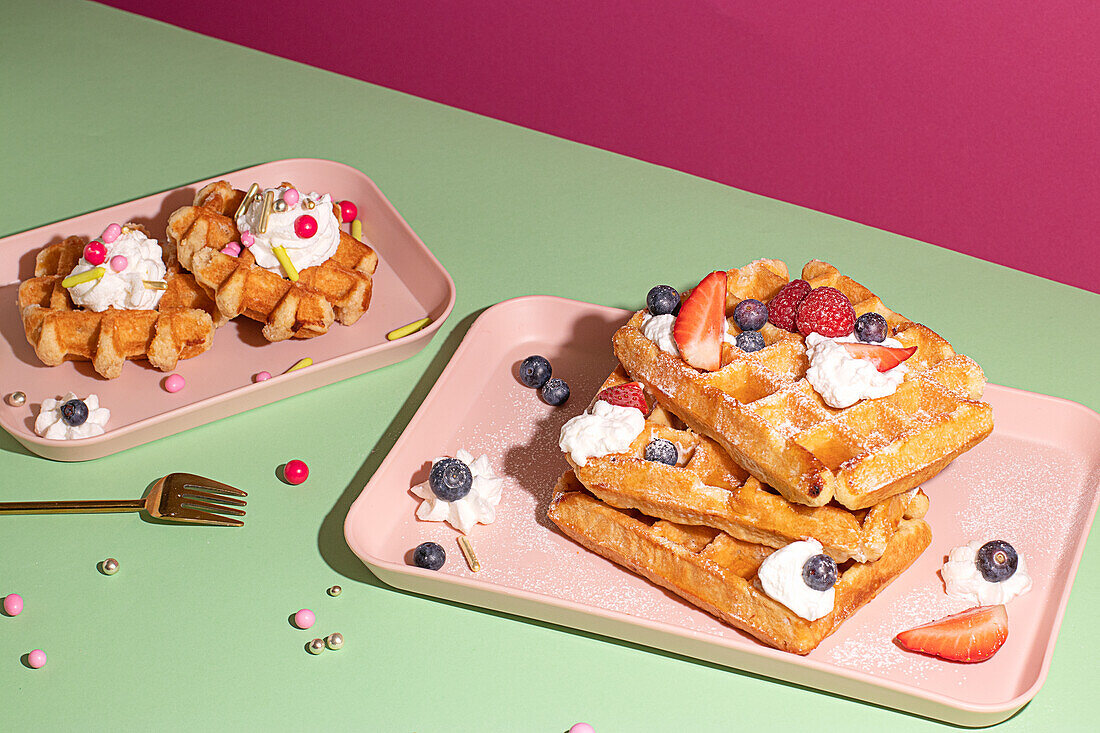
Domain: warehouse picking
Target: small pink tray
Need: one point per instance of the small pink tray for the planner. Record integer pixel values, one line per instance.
(410, 284)
(1001, 489)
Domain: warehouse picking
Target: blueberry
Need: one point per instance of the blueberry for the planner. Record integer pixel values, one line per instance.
(819, 572)
(750, 314)
(997, 561)
(429, 555)
(534, 371)
(450, 479)
(750, 341)
(74, 412)
(661, 451)
(871, 328)
(662, 300)
(555, 391)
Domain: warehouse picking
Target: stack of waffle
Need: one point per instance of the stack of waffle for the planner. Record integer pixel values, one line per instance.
(762, 462)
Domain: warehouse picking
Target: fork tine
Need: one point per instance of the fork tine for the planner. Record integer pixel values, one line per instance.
(210, 496)
(214, 508)
(197, 517)
(190, 480)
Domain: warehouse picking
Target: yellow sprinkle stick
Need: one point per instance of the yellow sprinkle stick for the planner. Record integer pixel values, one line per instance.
(93, 274)
(300, 364)
(284, 260)
(357, 229)
(468, 553)
(404, 331)
(155, 284)
(245, 201)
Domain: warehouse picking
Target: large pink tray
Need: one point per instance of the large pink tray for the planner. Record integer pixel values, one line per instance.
(1001, 489)
(410, 284)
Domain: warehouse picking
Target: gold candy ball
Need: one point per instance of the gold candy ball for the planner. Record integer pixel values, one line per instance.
(335, 641)
(17, 399)
(335, 591)
(308, 204)
(109, 566)
(279, 205)
(316, 646)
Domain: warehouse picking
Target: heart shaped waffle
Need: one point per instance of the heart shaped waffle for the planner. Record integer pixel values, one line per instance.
(181, 327)
(339, 289)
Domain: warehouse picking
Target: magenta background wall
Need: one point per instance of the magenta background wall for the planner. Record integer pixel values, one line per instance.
(972, 125)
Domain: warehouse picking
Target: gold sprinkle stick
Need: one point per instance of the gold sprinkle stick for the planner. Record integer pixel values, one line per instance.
(93, 274)
(284, 260)
(155, 284)
(412, 328)
(244, 202)
(357, 229)
(269, 201)
(469, 554)
(300, 364)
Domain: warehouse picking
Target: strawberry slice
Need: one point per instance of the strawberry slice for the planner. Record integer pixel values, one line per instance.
(701, 325)
(625, 395)
(974, 635)
(884, 358)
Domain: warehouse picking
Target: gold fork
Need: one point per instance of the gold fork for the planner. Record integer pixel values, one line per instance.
(178, 497)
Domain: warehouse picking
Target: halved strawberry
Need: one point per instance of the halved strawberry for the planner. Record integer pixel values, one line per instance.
(701, 325)
(625, 395)
(974, 635)
(884, 358)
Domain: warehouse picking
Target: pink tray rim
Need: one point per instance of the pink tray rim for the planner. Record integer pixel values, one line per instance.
(279, 386)
(984, 714)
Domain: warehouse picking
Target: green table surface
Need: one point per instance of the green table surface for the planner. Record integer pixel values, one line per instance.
(98, 107)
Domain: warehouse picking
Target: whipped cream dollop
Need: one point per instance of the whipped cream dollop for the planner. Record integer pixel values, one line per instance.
(280, 232)
(843, 380)
(479, 506)
(781, 577)
(123, 289)
(964, 581)
(607, 429)
(658, 329)
(49, 424)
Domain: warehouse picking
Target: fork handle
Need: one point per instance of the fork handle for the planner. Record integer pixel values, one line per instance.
(95, 506)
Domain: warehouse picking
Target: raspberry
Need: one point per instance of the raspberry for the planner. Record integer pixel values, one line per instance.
(826, 311)
(783, 307)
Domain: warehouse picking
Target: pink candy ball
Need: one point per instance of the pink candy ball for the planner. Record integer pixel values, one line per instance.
(37, 659)
(305, 226)
(582, 728)
(119, 263)
(174, 382)
(13, 604)
(262, 377)
(95, 253)
(348, 211)
(232, 249)
(295, 472)
(304, 618)
(247, 239)
(111, 233)
(290, 196)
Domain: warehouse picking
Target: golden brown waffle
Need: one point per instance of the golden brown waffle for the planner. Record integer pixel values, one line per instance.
(180, 328)
(718, 573)
(706, 487)
(761, 410)
(338, 289)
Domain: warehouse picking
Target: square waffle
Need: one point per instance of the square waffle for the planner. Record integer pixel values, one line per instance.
(707, 488)
(761, 410)
(181, 327)
(338, 289)
(717, 572)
